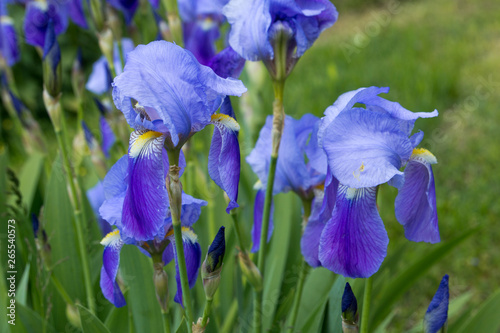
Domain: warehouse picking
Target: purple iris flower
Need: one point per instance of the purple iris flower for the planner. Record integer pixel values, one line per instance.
(292, 171)
(77, 14)
(201, 21)
(167, 96)
(100, 79)
(9, 47)
(436, 316)
(366, 147)
(127, 7)
(119, 184)
(36, 21)
(255, 26)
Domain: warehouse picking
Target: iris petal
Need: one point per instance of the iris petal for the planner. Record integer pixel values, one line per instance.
(168, 79)
(365, 148)
(258, 211)
(192, 253)
(416, 200)
(224, 157)
(250, 22)
(146, 201)
(321, 212)
(110, 262)
(354, 241)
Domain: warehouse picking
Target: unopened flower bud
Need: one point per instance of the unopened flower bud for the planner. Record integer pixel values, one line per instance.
(251, 271)
(436, 317)
(212, 266)
(283, 42)
(160, 280)
(73, 316)
(52, 76)
(349, 310)
(106, 45)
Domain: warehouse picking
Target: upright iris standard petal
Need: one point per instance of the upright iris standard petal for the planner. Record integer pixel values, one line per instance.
(291, 171)
(176, 92)
(437, 314)
(110, 262)
(192, 253)
(38, 15)
(369, 97)
(354, 241)
(258, 211)
(146, 201)
(250, 22)
(224, 157)
(365, 148)
(416, 200)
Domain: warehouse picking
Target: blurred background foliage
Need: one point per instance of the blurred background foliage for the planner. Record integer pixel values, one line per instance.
(433, 54)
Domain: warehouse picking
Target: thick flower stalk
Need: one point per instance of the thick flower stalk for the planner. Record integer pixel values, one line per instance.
(167, 96)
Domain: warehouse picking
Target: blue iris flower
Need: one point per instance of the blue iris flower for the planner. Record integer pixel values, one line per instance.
(366, 147)
(127, 7)
(436, 316)
(292, 171)
(114, 211)
(9, 47)
(100, 79)
(255, 26)
(39, 13)
(201, 21)
(167, 96)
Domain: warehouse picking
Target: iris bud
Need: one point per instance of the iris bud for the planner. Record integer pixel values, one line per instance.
(436, 317)
(251, 271)
(78, 76)
(283, 42)
(212, 266)
(98, 11)
(73, 316)
(160, 280)
(52, 76)
(349, 310)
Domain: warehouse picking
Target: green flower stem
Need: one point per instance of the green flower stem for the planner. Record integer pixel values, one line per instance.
(237, 230)
(166, 322)
(174, 188)
(230, 318)
(60, 289)
(57, 117)
(206, 312)
(277, 131)
(365, 315)
(304, 270)
(174, 21)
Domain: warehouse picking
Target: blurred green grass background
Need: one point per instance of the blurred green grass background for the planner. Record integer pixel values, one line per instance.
(433, 55)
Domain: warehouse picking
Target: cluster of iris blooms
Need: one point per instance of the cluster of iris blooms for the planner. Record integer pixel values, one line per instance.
(168, 93)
